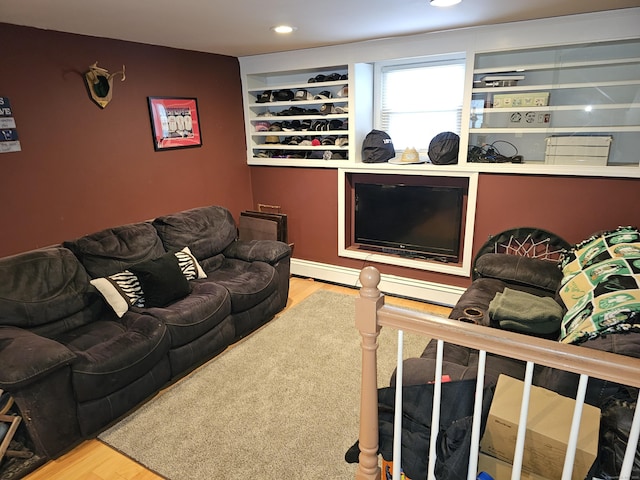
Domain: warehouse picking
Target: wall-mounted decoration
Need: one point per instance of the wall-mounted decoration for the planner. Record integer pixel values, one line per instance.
(100, 84)
(174, 122)
(8, 133)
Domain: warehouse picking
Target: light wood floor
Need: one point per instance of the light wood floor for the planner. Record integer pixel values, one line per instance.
(93, 460)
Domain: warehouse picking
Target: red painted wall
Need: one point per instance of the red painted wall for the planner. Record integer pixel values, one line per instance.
(571, 207)
(83, 168)
(309, 197)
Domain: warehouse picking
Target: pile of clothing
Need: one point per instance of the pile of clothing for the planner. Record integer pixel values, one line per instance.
(526, 313)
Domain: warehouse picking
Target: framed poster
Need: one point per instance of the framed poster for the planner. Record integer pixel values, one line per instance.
(8, 134)
(174, 122)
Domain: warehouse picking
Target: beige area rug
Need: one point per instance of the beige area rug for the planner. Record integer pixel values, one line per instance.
(283, 403)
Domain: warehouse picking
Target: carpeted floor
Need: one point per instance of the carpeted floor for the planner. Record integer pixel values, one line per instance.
(283, 403)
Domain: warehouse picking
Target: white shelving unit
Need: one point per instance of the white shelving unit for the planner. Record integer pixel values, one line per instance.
(590, 90)
(310, 127)
(311, 131)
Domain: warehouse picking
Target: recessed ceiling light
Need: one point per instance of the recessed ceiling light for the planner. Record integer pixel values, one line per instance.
(283, 29)
(444, 3)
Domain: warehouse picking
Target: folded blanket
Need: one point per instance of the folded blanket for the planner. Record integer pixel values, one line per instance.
(521, 311)
(601, 286)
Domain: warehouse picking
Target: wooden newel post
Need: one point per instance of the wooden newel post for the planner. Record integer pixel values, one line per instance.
(367, 305)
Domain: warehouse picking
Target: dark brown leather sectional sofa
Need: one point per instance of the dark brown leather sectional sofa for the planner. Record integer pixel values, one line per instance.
(74, 365)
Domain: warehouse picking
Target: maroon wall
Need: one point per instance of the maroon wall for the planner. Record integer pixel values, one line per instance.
(83, 168)
(309, 197)
(572, 207)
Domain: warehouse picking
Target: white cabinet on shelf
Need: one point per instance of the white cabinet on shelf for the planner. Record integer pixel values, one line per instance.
(524, 100)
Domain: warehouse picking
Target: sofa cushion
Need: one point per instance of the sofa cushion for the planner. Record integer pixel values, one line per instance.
(46, 291)
(116, 249)
(193, 316)
(519, 270)
(207, 231)
(123, 289)
(247, 283)
(120, 291)
(162, 280)
(189, 265)
(524, 242)
(111, 355)
(598, 391)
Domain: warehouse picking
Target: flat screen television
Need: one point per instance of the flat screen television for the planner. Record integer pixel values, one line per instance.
(419, 221)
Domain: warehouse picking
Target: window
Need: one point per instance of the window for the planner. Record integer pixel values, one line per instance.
(418, 99)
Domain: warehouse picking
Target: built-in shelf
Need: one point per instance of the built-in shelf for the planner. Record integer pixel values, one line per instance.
(298, 115)
(584, 90)
(592, 90)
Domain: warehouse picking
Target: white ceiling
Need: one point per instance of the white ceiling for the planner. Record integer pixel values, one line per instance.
(242, 27)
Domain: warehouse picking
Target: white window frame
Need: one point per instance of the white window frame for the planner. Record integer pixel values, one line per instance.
(456, 58)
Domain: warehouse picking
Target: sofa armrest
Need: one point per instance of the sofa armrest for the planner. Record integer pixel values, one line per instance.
(25, 357)
(269, 251)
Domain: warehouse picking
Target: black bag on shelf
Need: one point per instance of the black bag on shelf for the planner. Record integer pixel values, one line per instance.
(443, 148)
(377, 147)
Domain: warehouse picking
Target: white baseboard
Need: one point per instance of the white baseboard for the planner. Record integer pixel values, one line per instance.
(407, 287)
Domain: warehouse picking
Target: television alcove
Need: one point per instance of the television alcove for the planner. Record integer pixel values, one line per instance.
(422, 221)
(417, 221)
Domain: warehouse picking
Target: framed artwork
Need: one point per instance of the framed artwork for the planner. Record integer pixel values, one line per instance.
(174, 122)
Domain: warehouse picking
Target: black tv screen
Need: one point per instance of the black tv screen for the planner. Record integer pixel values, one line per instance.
(414, 220)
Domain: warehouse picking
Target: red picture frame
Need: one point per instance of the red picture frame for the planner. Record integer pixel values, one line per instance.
(174, 122)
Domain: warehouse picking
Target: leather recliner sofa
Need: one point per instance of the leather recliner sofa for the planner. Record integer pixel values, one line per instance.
(75, 359)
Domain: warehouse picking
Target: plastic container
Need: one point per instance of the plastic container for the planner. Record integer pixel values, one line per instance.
(484, 476)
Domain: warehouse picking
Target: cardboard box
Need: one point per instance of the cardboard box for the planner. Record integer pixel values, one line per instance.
(500, 470)
(547, 434)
